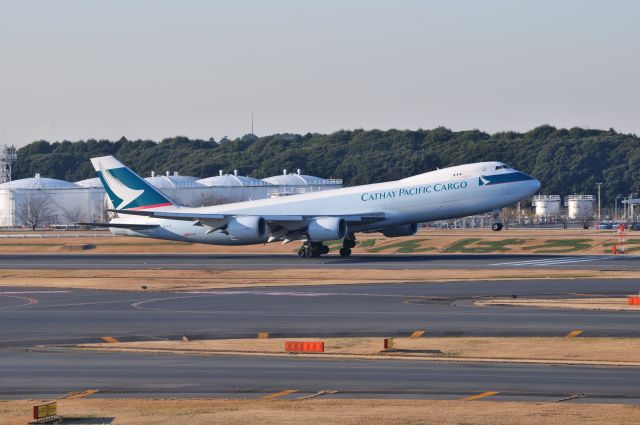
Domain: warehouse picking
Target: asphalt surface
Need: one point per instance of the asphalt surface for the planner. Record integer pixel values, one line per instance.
(46, 316)
(49, 374)
(264, 262)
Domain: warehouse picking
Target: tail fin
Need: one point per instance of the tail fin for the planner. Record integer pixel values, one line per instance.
(126, 189)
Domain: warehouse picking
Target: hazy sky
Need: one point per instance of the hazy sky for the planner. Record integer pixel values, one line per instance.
(153, 69)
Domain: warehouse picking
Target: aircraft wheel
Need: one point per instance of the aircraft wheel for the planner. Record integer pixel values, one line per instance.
(349, 243)
(345, 252)
(496, 227)
(325, 249)
(301, 252)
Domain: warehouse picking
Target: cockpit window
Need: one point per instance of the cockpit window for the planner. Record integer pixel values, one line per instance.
(503, 166)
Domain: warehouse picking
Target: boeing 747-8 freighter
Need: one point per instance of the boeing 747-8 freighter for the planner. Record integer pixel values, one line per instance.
(394, 208)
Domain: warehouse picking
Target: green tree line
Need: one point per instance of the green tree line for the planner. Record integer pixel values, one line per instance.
(566, 161)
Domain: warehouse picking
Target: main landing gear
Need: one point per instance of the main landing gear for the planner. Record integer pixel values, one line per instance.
(313, 249)
(316, 249)
(496, 226)
(348, 243)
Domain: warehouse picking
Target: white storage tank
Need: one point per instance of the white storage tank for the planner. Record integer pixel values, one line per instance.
(48, 201)
(94, 183)
(293, 183)
(580, 206)
(184, 190)
(226, 188)
(546, 205)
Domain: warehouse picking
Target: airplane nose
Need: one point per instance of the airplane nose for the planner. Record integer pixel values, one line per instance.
(536, 184)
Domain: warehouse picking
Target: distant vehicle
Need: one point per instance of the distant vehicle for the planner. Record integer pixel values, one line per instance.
(395, 208)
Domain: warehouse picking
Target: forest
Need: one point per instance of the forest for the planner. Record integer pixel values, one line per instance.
(566, 161)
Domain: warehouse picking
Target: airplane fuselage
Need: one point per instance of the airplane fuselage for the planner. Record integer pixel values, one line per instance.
(442, 194)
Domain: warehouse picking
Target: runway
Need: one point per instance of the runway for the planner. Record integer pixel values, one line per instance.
(440, 309)
(49, 374)
(52, 318)
(265, 262)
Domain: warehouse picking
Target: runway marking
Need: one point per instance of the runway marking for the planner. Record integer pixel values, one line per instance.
(263, 335)
(416, 334)
(573, 334)
(278, 394)
(197, 294)
(318, 394)
(109, 339)
(552, 261)
(32, 292)
(80, 394)
(29, 301)
(87, 303)
(479, 396)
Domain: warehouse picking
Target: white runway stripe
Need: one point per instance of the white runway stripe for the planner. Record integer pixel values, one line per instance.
(32, 292)
(552, 261)
(544, 260)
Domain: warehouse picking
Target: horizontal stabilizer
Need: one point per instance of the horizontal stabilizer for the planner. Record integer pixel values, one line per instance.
(172, 215)
(132, 226)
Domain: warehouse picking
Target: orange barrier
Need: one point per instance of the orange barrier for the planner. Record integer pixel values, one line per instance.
(634, 300)
(304, 346)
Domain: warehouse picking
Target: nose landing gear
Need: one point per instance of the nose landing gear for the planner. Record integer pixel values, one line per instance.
(496, 226)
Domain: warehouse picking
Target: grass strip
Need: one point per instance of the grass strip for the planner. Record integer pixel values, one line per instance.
(482, 246)
(406, 247)
(560, 246)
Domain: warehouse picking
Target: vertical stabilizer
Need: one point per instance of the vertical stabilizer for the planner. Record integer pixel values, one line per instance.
(126, 189)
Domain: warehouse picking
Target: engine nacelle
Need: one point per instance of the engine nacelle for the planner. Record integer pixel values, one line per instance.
(327, 229)
(401, 230)
(247, 229)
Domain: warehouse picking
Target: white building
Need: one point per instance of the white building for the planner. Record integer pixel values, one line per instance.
(292, 183)
(183, 190)
(580, 206)
(62, 202)
(226, 188)
(546, 205)
(47, 201)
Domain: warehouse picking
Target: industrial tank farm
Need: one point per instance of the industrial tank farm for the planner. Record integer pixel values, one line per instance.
(59, 202)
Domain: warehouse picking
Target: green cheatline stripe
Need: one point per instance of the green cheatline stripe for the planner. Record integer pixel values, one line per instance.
(504, 178)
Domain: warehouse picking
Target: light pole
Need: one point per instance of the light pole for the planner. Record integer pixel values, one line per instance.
(599, 210)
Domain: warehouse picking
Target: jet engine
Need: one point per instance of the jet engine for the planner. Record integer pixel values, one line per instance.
(401, 230)
(247, 229)
(327, 229)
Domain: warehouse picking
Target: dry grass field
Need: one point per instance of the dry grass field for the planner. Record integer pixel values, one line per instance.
(320, 412)
(559, 350)
(609, 304)
(189, 280)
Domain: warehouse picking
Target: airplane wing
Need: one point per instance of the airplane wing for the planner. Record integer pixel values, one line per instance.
(270, 218)
(281, 226)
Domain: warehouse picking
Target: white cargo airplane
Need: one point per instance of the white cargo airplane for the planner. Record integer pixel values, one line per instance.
(394, 208)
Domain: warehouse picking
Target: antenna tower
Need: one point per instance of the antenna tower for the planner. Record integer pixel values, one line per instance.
(7, 158)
